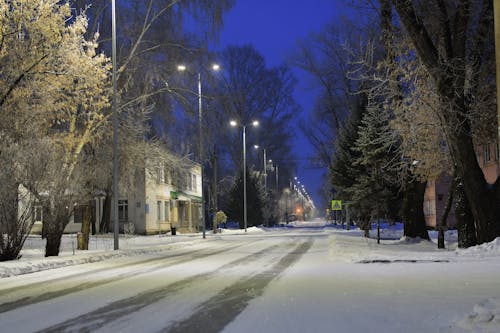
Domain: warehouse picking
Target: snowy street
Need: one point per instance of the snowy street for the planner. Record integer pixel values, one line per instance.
(278, 280)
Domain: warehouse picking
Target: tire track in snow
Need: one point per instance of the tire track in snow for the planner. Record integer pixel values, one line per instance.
(159, 263)
(214, 314)
(102, 316)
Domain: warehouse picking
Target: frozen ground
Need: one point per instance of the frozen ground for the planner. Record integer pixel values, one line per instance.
(309, 278)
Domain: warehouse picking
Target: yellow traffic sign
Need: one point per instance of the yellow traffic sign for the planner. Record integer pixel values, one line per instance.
(336, 204)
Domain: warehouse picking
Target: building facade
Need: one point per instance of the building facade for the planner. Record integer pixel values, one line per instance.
(157, 202)
(436, 192)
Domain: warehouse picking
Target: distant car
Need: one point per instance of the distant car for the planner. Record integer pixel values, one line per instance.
(291, 218)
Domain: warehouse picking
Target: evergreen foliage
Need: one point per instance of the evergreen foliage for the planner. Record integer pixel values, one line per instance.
(254, 202)
(375, 190)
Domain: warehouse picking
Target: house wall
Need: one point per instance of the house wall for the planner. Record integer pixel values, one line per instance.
(153, 205)
(436, 192)
(157, 218)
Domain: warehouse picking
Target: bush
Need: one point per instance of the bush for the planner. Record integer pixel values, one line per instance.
(220, 217)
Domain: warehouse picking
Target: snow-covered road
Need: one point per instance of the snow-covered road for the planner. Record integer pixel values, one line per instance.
(288, 280)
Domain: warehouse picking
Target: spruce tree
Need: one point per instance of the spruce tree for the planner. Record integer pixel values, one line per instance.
(254, 202)
(375, 191)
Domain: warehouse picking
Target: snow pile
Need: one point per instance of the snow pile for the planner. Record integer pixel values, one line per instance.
(486, 249)
(12, 268)
(485, 317)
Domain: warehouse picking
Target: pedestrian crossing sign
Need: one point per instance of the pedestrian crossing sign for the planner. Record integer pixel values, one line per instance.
(336, 204)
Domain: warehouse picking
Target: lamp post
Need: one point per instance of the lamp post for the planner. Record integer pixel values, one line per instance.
(182, 68)
(265, 167)
(116, 225)
(255, 123)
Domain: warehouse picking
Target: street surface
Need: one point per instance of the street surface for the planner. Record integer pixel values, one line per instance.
(290, 280)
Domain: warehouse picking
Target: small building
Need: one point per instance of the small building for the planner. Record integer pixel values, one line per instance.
(163, 199)
(436, 192)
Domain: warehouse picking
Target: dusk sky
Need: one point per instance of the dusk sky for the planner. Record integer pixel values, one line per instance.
(273, 27)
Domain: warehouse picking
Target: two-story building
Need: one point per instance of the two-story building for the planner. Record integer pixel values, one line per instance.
(163, 199)
(159, 200)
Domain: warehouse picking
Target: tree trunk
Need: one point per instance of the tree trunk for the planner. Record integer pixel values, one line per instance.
(465, 220)
(366, 226)
(449, 73)
(53, 243)
(413, 210)
(106, 215)
(56, 217)
(449, 201)
(83, 244)
(481, 197)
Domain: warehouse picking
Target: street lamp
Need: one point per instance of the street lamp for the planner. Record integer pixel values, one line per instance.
(116, 225)
(234, 123)
(182, 68)
(265, 167)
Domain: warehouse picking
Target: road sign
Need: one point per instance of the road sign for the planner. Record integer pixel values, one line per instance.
(336, 204)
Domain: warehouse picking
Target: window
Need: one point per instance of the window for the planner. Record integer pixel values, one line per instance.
(496, 151)
(188, 187)
(123, 210)
(194, 182)
(158, 210)
(440, 197)
(78, 214)
(429, 208)
(167, 211)
(168, 176)
(38, 213)
(161, 174)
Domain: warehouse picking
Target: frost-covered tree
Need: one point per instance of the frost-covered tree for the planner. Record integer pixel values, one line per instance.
(451, 39)
(376, 189)
(54, 85)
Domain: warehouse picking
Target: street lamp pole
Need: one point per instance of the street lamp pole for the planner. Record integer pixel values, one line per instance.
(215, 67)
(265, 171)
(115, 129)
(201, 156)
(244, 177)
(254, 123)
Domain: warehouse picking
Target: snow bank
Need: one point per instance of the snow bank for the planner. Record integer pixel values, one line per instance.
(486, 249)
(101, 248)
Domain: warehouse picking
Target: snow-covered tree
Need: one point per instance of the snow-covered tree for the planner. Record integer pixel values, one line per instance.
(53, 85)
(451, 39)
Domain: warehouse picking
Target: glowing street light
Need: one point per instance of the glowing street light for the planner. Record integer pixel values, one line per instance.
(265, 166)
(182, 68)
(254, 123)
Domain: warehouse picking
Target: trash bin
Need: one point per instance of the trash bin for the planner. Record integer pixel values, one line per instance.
(173, 230)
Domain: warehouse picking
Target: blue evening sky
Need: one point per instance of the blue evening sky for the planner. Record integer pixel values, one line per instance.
(273, 28)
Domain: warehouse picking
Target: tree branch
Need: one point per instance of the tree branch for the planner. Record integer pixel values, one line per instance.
(419, 35)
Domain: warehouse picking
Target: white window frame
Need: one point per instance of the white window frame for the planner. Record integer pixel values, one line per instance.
(123, 210)
(166, 210)
(158, 210)
(195, 182)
